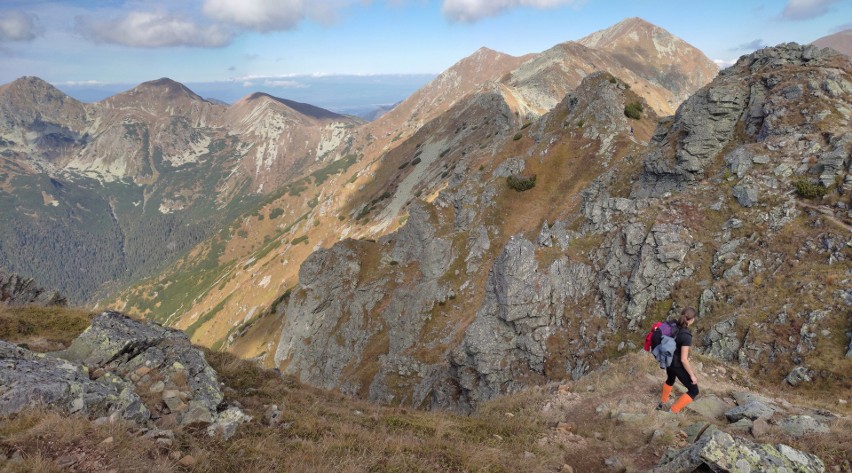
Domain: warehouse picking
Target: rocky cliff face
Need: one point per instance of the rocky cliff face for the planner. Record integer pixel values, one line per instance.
(479, 294)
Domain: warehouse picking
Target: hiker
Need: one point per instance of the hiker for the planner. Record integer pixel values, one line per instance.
(680, 367)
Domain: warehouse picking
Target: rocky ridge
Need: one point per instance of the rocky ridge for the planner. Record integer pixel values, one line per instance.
(696, 219)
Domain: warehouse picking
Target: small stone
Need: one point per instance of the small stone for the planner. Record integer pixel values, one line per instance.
(197, 414)
(565, 427)
(157, 387)
(107, 441)
(509, 414)
(564, 388)
(599, 436)
(174, 404)
(176, 455)
(188, 461)
(142, 370)
(65, 461)
(498, 437)
(529, 455)
(759, 428)
(566, 468)
(17, 457)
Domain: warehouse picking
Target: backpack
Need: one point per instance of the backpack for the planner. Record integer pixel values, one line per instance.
(668, 329)
(660, 332)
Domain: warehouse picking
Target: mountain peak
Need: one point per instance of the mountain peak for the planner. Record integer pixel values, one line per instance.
(630, 29)
(33, 84)
(171, 89)
(303, 108)
(656, 54)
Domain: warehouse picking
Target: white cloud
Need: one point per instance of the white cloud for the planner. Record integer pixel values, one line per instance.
(806, 9)
(474, 10)
(750, 46)
(153, 30)
(725, 63)
(289, 84)
(82, 83)
(18, 26)
(260, 15)
(248, 83)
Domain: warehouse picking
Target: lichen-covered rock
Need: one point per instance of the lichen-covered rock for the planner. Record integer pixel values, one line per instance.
(746, 192)
(18, 291)
(146, 353)
(719, 451)
(799, 426)
(721, 340)
(28, 379)
(798, 375)
(750, 410)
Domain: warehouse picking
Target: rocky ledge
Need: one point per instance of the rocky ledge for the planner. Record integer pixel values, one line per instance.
(18, 291)
(120, 367)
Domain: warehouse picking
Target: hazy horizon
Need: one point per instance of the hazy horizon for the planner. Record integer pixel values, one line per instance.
(347, 94)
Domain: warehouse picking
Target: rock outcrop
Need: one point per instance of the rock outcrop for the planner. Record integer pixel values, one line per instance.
(706, 123)
(119, 366)
(30, 380)
(161, 363)
(719, 451)
(18, 291)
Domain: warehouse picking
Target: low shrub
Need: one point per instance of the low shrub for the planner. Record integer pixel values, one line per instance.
(521, 183)
(809, 190)
(633, 110)
(517, 136)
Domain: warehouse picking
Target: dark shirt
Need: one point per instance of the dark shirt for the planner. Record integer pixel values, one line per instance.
(682, 339)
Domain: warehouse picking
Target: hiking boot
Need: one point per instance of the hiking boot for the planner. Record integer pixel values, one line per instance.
(661, 407)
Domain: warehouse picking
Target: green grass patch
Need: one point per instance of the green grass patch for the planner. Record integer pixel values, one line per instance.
(337, 167)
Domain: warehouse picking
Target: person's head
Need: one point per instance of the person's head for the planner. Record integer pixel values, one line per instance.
(687, 316)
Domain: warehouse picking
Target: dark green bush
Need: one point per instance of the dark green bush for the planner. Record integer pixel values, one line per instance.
(301, 239)
(415, 161)
(521, 183)
(276, 212)
(808, 189)
(517, 136)
(633, 110)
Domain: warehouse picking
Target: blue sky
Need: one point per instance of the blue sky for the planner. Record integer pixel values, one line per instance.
(249, 44)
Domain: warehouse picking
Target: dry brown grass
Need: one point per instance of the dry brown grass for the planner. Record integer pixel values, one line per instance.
(42, 328)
